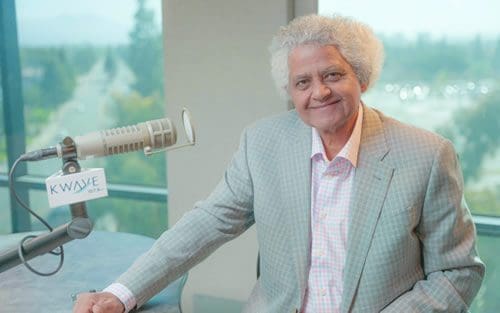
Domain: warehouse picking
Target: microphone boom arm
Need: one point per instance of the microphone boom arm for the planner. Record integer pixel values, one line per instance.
(79, 227)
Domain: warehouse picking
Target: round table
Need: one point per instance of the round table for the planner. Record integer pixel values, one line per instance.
(91, 263)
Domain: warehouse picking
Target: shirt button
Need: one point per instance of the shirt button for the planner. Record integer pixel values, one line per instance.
(322, 292)
(322, 215)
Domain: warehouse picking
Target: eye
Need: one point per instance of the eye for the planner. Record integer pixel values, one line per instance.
(333, 76)
(302, 84)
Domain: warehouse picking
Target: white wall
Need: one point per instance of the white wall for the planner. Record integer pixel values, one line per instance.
(217, 65)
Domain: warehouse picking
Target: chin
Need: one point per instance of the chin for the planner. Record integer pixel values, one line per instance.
(331, 127)
(326, 128)
(326, 124)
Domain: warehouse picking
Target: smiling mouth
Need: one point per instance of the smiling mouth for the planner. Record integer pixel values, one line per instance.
(321, 106)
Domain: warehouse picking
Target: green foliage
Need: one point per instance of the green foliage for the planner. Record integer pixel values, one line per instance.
(137, 168)
(35, 118)
(139, 217)
(479, 130)
(135, 107)
(485, 202)
(3, 149)
(145, 52)
(495, 60)
(82, 58)
(474, 129)
(110, 64)
(438, 61)
(49, 79)
(58, 80)
(144, 57)
(487, 299)
(49, 74)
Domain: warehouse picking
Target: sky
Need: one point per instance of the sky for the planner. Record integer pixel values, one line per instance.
(118, 10)
(76, 21)
(454, 18)
(107, 22)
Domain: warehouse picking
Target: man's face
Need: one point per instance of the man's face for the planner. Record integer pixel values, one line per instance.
(324, 88)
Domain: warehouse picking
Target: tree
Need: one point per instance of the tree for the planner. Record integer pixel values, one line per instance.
(82, 58)
(145, 52)
(495, 61)
(110, 64)
(136, 168)
(130, 109)
(479, 65)
(479, 131)
(58, 80)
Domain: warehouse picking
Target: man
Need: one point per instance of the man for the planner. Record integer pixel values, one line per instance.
(355, 212)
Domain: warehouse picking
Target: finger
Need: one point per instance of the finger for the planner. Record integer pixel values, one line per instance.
(83, 303)
(107, 305)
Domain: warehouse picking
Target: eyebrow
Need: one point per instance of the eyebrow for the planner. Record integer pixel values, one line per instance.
(335, 68)
(300, 77)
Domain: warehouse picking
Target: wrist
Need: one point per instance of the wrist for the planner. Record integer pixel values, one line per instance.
(123, 294)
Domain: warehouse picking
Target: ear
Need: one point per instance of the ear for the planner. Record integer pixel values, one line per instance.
(363, 87)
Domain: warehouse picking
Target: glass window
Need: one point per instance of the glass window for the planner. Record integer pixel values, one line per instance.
(85, 70)
(109, 214)
(3, 137)
(443, 75)
(487, 299)
(5, 224)
(88, 66)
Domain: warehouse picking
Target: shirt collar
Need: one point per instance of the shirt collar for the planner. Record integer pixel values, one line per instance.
(350, 149)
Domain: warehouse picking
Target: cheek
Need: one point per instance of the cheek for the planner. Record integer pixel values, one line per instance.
(351, 94)
(299, 100)
(301, 108)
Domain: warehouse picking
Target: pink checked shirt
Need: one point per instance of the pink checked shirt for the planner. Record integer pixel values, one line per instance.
(331, 192)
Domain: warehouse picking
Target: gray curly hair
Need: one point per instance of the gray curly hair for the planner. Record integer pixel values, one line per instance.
(355, 41)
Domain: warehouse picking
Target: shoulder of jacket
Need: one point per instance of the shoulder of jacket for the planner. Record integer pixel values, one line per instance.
(274, 125)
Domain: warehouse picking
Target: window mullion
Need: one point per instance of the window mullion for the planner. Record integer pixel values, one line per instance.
(13, 107)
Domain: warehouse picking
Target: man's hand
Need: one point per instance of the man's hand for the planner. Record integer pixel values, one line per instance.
(100, 302)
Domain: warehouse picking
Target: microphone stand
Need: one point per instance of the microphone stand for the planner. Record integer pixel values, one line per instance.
(79, 227)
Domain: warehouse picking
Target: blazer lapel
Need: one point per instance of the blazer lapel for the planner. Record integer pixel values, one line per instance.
(296, 168)
(370, 187)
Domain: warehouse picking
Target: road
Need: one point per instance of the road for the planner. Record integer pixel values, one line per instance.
(91, 108)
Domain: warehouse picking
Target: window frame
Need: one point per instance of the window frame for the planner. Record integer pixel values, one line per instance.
(15, 130)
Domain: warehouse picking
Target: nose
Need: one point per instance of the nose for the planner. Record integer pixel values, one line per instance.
(321, 91)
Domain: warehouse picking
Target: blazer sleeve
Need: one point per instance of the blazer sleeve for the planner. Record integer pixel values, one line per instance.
(453, 270)
(224, 215)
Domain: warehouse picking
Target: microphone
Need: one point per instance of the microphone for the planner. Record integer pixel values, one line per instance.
(150, 136)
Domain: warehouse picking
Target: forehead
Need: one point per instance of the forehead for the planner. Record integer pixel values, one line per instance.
(311, 57)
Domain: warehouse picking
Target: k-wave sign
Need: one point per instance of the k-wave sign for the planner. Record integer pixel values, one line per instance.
(86, 185)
